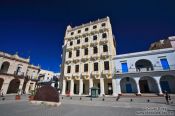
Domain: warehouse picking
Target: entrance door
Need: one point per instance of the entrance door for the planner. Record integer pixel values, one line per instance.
(109, 88)
(99, 91)
(84, 88)
(144, 88)
(128, 88)
(75, 88)
(165, 86)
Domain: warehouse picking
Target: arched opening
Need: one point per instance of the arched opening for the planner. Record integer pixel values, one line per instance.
(13, 86)
(143, 65)
(148, 85)
(128, 85)
(167, 83)
(5, 67)
(1, 83)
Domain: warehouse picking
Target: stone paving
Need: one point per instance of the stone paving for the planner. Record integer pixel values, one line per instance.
(77, 107)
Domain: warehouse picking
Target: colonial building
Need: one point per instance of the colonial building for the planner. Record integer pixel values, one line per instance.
(16, 74)
(165, 43)
(87, 58)
(145, 72)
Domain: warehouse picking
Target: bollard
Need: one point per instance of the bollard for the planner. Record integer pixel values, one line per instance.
(91, 99)
(62, 97)
(80, 98)
(103, 99)
(148, 100)
(131, 100)
(70, 97)
(3, 98)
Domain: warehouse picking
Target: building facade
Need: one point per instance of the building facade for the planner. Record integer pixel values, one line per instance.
(87, 58)
(145, 72)
(16, 74)
(165, 43)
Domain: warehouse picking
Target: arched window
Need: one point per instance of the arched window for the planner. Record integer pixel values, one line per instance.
(5, 67)
(143, 65)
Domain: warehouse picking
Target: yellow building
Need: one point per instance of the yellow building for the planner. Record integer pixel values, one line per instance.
(87, 58)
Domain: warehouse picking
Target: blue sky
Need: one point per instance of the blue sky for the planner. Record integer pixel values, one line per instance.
(36, 28)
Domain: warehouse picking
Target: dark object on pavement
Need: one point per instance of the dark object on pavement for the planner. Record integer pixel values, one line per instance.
(47, 93)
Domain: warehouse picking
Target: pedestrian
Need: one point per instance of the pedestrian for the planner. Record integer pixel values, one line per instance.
(167, 97)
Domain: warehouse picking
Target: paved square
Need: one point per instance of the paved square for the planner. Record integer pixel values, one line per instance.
(78, 108)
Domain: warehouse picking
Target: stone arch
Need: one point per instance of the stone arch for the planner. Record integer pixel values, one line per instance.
(148, 85)
(144, 65)
(128, 85)
(167, 83)
(13, 86)
(5, 66)
(1, 83)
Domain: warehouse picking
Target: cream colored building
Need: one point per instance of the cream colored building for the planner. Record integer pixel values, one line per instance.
(16, 74)
(46, 75)
(87, 58)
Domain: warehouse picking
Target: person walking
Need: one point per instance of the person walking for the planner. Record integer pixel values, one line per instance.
(167, 97)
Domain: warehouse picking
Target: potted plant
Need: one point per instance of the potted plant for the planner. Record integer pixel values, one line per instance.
(18, 97)
(31, 97)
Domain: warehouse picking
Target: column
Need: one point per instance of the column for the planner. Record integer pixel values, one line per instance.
(5, 86)
(72, 87)
(102, 86)
(118, 88)
(80, 86)
(137, 84)
(90, 84)
(27, 87)
(64, 87)
(158, 84)
(114, 87)
(21, 85)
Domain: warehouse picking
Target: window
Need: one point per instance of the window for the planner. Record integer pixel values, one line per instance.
(68, 69)
(103, 24)
(164, 63)
(86, 51)
(95, 37)
(95, 50)
(124, 67)
(106, 65)
(104, 35)
(85, 67)
(96, 66)
(86, 39)
(105, 48)
(70, 54)
(86, 29)
(76, 68)
(95, 26)
(72, 33)
(78, 53)
(71, 43)
(79, 31)
(78, 41)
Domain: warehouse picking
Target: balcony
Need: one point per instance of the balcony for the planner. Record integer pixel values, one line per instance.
(95, 56)
(85, 44)
(141, 71)
(95, 73)
(77, 46)
(76, 74)
(68, 75)
(76, 59)
(85, 73)
(69, 47)
(68, 60)
(103, 40)
(94, 42)
(106, 72)
(85, 58)
(105, 54)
